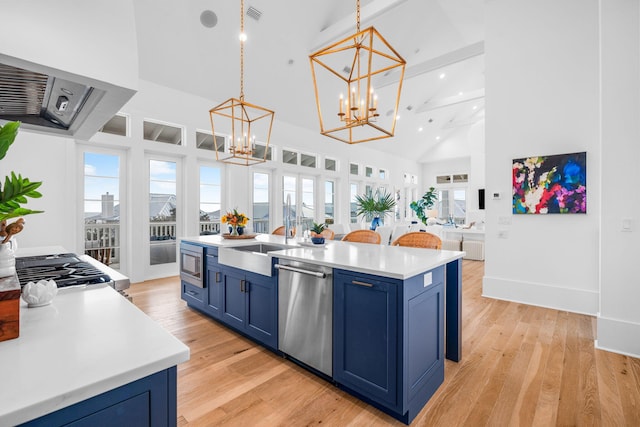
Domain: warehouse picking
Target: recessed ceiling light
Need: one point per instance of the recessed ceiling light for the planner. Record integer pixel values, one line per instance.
(208, 19)
(420, 129)
(475, 107)
(443, 75)
(460, 93)
(437, 138)
(398, 117)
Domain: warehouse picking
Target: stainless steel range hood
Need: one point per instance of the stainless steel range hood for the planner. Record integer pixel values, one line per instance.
(56, 102)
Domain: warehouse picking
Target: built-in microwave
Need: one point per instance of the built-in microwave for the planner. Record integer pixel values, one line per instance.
(192, 264)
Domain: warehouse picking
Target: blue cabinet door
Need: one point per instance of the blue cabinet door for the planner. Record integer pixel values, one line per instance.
(214, 287)
(150, 401)
(365, 357)
(233, 298)
(213, 280)
(262, 314)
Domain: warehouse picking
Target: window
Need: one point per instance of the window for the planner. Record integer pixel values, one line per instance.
(210, 200)
(329, 201)
(329, 164)
(260, 216)
(258, 151)
(456, 178)
(205, 141)
(162, 211)
(289, 157)
(289, 186)
(383, 174)
(354, 169)
(353, 190)
(452, 205)
(162, 133)
(118, 125)
(308, 211)
(102, 207)
(308, 160)
(368, 171)
(302, 208)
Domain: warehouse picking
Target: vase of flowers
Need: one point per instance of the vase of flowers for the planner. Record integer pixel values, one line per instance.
(235, 219)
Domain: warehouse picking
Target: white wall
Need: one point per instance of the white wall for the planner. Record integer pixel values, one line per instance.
(74, 36)
(443, 162)
(619, 317)
(542, 97)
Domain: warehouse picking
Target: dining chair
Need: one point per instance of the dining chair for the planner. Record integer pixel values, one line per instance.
(280, 231)
(419, 239)
(328, 234)
(362, 236)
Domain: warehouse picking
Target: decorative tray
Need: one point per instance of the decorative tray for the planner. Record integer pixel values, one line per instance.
(242, 236)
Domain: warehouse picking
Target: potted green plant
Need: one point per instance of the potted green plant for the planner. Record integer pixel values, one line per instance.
(423, 207)
(13, 194)
(16, 189)
(374, 206)
(317, 230)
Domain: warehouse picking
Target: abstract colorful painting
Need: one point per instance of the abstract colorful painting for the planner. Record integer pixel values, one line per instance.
(550, 184)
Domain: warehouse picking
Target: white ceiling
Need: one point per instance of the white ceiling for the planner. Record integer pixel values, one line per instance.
(433, 36)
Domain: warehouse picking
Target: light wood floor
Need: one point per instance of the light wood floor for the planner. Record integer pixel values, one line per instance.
(521, 366)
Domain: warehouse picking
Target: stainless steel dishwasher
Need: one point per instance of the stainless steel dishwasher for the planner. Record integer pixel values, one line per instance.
(305, 313)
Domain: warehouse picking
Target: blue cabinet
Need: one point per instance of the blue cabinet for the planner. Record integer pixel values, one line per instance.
(389, 339)
(150, 401)
(365, 335)
(249, 304)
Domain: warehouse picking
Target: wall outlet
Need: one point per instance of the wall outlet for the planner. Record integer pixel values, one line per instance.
(503, 234)
(627, 224)
(495, 195)
(504, 220)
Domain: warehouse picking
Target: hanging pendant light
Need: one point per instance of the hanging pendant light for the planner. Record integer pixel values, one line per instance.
(248, 123)
(348, 71)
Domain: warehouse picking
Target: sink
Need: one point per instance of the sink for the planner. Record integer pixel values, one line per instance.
(260, 248)
(253, 257)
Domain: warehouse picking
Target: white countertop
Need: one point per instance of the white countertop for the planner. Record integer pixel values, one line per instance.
(87, 341)
(387, 261)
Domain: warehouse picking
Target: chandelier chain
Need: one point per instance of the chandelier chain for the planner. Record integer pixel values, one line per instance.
(242, 36)
(357, 16)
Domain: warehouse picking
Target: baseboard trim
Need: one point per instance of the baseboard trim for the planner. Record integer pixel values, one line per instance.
(618, 336)
(567, 299)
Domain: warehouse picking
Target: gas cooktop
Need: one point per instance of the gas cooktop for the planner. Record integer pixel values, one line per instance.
(65, 269)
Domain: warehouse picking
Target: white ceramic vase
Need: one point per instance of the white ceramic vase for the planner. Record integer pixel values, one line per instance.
(40, 293)
(7, 259)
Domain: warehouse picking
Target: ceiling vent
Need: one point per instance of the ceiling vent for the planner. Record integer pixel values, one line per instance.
(254, 13)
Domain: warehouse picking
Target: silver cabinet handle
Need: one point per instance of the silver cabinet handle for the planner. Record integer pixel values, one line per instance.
(356, 282)
(301, 270)
(217, 276)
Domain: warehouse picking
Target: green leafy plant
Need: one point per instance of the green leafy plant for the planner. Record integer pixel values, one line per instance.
(424, 204)
(16, 189)
(376, 204)
(318, 228)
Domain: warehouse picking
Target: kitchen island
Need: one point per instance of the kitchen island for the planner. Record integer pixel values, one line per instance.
(89, 356)
(388, 314)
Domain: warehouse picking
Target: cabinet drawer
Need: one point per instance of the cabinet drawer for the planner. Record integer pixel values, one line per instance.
(422, 282)
(192, 294)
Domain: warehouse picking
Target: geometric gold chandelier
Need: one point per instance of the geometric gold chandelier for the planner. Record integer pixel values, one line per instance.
(247, 122)
(349, 107)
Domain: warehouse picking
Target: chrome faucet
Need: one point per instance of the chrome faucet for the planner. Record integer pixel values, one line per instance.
(287, 220)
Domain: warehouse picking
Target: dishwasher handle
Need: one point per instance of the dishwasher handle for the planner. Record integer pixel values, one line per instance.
(301, 270)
